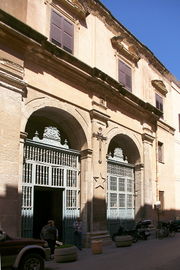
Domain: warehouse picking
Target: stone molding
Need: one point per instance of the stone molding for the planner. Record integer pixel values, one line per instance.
(13, 83)
(159, 86)
(147, 138)
(73, 6)
(87, 153)
(99, 115)
(165, 126)
(131, 54)
(12, 67)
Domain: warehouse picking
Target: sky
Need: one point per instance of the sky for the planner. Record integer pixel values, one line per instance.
(155, 23)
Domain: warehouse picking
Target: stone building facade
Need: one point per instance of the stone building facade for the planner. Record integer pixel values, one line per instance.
(86, 122)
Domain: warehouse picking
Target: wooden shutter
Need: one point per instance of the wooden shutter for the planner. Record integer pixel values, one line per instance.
(61, 32)
(125, 76)
(56, 28)
(67, 36)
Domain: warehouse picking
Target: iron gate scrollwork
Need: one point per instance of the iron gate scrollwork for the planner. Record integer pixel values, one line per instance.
(120, 191)
(54, 167)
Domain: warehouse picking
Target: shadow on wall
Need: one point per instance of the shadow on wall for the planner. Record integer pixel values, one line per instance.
(10, 211)
(10, 216)
(145, 212)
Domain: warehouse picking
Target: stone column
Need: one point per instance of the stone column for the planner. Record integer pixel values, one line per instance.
(99, 165)
(139, 190)
(148, 175)
(86, 190)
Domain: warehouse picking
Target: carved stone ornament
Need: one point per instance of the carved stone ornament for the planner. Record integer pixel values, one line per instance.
(72, 5)
(159, 86)
(118, 156)
(99, 181)
(51, 136)
(131, 54)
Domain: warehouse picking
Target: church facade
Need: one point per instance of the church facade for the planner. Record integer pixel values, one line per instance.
(87, 125)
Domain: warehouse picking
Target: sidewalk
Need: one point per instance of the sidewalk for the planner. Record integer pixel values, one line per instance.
(152, 254)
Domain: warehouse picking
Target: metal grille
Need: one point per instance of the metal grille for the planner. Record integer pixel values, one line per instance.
(120, 194)
(50, 167)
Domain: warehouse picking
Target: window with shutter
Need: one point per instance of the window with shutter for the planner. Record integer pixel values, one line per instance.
(160, 152)
(61, 32)
(161, 198)
(159, 102)
(125, 75)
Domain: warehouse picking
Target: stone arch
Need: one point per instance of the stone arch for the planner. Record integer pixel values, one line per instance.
(126, 140)
(132, 149)
(74, 122)
(71, 119)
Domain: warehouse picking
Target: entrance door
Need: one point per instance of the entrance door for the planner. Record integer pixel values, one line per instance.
(120, 195)
(50, 189)
(47, 205)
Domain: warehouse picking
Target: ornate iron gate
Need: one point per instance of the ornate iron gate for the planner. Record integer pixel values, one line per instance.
(120, 192)
(53, 167)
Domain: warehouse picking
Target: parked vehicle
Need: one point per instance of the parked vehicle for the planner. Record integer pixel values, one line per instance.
(140, 232)
(23, 253)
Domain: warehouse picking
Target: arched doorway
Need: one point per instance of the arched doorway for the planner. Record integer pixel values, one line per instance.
(51, 179)
(122, 157)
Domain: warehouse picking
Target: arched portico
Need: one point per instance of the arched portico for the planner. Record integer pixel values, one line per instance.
(52, 183)
(123, 181)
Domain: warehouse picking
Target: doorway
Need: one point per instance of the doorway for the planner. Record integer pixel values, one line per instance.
(48, 204)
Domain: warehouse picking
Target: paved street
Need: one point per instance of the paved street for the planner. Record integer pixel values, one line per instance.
(144, 255)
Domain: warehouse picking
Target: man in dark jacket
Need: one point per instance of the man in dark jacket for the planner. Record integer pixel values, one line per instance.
(50, 234)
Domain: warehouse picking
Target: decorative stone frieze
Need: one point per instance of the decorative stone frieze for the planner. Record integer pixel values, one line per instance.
(99, 136)
(99, 181)
(51, 136)
(159, 86)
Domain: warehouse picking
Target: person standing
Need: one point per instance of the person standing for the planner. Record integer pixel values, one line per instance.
(49, 233)
(77, 225)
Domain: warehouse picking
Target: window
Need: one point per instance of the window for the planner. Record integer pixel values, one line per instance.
(160, 152)
(61, 32)
(125, 75)
(159, 102)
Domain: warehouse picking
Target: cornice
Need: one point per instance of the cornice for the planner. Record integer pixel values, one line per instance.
(159, 86)
(96, 8)
(166, 127)
(43, 51)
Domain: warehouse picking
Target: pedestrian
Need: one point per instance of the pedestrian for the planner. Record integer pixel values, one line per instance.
(77, 225)
(50, 234)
